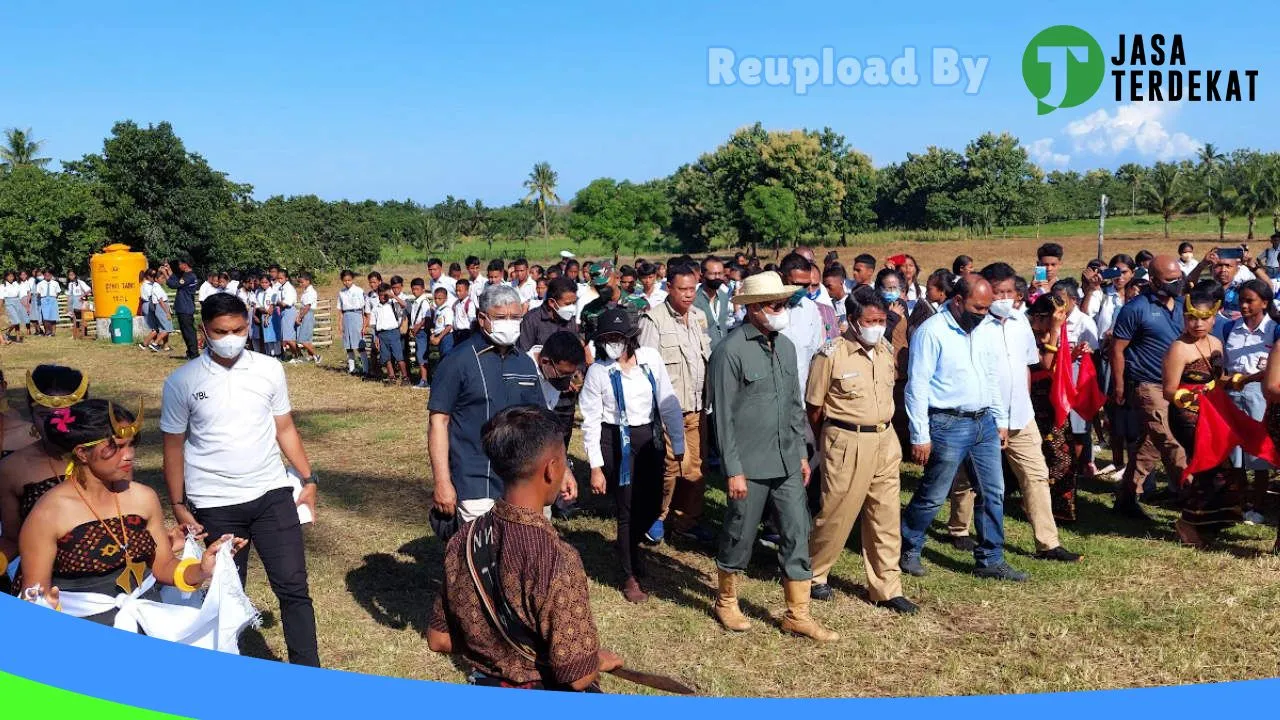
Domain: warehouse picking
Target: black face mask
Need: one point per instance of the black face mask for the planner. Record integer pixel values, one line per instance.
(561, 383)
(969, 320)
(713, 283)
(1171, 289)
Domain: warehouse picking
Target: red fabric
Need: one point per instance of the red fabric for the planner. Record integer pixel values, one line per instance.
(1062, 392)
(897, 259)
(1089, 398)
(1223, 426)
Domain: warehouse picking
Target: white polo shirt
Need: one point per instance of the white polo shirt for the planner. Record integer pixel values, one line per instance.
(1015, 349)
(231, 455)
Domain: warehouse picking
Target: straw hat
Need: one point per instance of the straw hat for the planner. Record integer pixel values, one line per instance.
(763, 287)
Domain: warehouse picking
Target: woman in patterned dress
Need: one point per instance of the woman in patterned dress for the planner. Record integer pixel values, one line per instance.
(99, 532)
(1212, 499)
(1047, 316)
(31, 471)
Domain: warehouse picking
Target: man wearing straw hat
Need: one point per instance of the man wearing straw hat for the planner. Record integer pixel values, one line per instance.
(754, 394)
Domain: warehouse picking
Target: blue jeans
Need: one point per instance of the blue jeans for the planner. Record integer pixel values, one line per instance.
(976, 443)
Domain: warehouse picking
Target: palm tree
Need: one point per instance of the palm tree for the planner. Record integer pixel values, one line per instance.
(1209, 161)
(542, 186)
(1255, 192)
(1131, 174)
(1165, 192)
(19, 149)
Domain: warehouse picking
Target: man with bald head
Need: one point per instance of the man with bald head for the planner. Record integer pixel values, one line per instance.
(957, 418)
(1144, 329)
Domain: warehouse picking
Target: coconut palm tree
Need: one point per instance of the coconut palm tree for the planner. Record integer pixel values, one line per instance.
(1166, 193)
(19, 149)
(1131, 175)
(542, 188)
(1209, 162)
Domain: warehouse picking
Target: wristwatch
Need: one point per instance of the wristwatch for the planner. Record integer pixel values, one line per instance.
(309, 480)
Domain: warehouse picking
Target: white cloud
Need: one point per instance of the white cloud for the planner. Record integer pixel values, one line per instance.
(1141, 126)
(1042, 153)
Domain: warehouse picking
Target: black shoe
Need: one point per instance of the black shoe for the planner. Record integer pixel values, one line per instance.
(900, 605)
(1131, 509)
(963, 543)
(1059, 554)
(1000, 572)
(912, 566)
(821, 591)
(697, 534)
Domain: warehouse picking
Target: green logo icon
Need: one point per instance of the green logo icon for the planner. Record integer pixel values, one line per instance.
(1063, 67)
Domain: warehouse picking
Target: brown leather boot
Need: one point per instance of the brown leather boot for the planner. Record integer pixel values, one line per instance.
(797, 620)
(726, 608)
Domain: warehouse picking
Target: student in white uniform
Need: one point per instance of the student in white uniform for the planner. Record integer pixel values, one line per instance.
(464, 312)
(77, 293)
(47, 292)
(15, 310)
(208, 287)
(306, 321)
(351, 302)
(28, 282)
(288, 313)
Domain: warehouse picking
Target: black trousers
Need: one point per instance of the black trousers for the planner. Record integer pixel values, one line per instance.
(270, 524)
(187, 323)
(639, 503)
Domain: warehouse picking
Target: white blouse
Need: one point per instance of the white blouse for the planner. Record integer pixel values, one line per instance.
(598, 405)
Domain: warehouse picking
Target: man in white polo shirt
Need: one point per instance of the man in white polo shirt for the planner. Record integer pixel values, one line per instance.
(226, 418)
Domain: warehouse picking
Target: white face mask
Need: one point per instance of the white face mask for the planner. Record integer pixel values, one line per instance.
(228, 347)
(1002, 308)
(505, 332)
(614, 350)
(566, 313)
(779, 322)
(871, 335)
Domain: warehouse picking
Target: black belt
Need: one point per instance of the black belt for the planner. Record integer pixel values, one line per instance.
(966, 414)
(858, 428)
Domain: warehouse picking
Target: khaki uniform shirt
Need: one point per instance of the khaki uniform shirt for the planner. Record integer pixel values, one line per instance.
(853, 385)
(685, 349)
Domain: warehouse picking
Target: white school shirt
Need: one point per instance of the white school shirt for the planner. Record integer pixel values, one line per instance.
(1082, 327)
(77, 288)
(384, 317)
(442, 318)
(1095, 302)
(805, 330)
(11, 290)
(421, 312)
(232, 287)
(158, 294)
(657, 297)
(144, 291)
(246, 296)
(351, 298)
(288, 294)
(446, 282)
(598, 405)
(1107, 312)
(206, 289)
(28, 287)
(528, 291)
(230, 455)
(1245, 349)
(309, 298)
(48, 288)
(464, 313)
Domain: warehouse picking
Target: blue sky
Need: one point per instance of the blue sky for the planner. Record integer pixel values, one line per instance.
(418, 100)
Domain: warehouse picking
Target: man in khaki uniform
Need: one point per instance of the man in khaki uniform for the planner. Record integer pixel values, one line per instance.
(678, 331)
(850, 406)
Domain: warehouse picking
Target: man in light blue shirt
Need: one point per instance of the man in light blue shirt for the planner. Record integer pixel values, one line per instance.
(957, 417)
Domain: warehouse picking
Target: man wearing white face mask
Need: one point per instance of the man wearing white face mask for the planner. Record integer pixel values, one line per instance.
(1010, 334)
(558, 313)
(226, 419)
(849, 404)
(482, 376)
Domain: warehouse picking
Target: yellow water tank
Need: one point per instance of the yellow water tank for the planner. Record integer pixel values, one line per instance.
(115, 273)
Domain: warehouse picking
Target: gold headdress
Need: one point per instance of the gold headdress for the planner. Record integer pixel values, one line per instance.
(125, 431)
(1202, 314)
(119, 431)
(57, 401)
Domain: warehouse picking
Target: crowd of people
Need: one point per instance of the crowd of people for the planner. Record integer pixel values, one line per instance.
(804, 385)
(32, 306)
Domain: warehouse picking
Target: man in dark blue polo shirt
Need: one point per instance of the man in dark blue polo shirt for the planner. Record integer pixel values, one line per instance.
(184, 306)
(1145, 328)
(482, 376)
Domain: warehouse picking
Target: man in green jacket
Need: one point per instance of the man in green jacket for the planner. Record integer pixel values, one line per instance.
(759, 419)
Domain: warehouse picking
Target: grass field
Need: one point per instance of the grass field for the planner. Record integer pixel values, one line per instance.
(1139, 611)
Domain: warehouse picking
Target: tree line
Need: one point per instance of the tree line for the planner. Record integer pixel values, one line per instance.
(761, 187)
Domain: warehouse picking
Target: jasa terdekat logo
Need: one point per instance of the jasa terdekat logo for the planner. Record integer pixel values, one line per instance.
(1064, 66)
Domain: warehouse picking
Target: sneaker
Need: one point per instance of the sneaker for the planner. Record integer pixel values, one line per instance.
(1059, 554)
(911, 566)
(1107, 471)
(142, 346)
(422, 385)
(770, 540)
(1001, 572)
(655, 533)
(963, 543)
(1253, 517)
(821, 591)
(900, 605)
(316, 359)
(698, 534)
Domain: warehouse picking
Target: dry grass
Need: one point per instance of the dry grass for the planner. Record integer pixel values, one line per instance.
(1139, 611)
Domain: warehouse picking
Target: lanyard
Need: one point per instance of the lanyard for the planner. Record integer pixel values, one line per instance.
(624, 429)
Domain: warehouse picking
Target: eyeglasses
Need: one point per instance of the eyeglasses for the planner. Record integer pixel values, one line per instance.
(777, 307)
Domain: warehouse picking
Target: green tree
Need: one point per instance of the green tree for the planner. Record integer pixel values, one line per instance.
(541, 185)
(21, 150)
(48, 219)
(618, 214)
(998, 176)
(1166, 193)
(772, 213)
(1131, 175)
(1209, 162)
